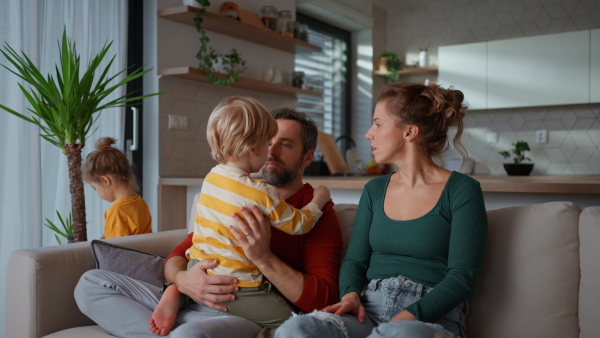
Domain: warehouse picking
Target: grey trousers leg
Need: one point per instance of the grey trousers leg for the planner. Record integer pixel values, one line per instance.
(123, 306)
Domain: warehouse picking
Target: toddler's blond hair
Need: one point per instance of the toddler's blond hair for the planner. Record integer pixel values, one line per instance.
(236, 125)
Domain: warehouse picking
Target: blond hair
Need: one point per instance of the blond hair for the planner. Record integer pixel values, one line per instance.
(108, 160)
(237, 125)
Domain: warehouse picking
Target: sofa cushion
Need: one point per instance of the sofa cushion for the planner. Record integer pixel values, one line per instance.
(589, 255)
(93, 331)
(529, 282)
(133, 263)
(345, 214)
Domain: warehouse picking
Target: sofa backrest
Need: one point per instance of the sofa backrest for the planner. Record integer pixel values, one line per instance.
(529, 283)
(345, 214)
(589, 256)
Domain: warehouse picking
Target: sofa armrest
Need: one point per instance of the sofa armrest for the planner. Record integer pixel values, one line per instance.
(40, 282)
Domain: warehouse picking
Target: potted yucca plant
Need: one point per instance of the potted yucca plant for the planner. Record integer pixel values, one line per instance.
(66, 105)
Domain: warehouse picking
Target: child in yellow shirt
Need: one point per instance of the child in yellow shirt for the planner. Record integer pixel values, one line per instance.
(108, 171)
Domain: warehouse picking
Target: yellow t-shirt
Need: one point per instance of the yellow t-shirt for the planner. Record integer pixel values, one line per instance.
(127, 216)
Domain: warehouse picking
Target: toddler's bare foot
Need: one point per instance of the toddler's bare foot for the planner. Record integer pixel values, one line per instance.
(163, 317)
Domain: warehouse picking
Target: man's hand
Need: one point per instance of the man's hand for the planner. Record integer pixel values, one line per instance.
(255, 237)
(203, 288)
(254, 234)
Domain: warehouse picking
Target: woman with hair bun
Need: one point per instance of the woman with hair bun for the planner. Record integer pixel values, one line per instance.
(419, 235)
(108, 171)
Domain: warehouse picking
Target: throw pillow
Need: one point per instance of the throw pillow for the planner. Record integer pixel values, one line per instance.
(133, 263)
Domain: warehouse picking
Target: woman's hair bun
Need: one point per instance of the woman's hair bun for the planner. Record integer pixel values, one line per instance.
(105, 143)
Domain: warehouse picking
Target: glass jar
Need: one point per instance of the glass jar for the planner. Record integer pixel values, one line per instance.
(285, 17)
(268, 14)
(298, 79)
(423, 58)
(303, 32)
(294, 27)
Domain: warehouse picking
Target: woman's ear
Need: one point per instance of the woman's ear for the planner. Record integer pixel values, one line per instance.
(410, 132)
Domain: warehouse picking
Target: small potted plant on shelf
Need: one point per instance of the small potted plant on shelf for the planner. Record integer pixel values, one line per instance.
(517, 168)
(232, 64)
(391, 63)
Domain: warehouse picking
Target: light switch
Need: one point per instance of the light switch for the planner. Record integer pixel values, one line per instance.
(541, 136)
(492, 137)
(178, 122)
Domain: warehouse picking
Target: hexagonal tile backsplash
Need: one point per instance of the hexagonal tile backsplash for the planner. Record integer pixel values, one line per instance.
(573, 146)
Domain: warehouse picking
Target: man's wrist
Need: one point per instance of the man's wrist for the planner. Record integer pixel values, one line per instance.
(176, 277)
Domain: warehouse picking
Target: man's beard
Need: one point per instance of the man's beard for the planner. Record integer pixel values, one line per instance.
(280, 176)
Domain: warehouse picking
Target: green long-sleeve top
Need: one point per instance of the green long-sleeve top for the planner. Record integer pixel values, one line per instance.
(443, 249)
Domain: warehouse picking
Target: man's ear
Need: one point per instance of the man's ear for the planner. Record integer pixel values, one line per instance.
(308, 157)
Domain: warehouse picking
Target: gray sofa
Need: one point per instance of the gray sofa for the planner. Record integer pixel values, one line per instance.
(540, 277)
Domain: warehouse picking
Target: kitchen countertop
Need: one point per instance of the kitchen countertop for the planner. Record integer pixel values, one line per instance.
(512, 184)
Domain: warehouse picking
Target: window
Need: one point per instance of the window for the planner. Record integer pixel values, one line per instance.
(329, 72)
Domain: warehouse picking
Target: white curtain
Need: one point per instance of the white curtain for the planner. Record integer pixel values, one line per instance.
(34, 180)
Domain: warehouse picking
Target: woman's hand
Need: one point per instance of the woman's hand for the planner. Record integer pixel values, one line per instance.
(404, 315)
(350, 304)
(254, 234)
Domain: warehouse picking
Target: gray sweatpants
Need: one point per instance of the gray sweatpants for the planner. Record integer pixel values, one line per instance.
(123, 306)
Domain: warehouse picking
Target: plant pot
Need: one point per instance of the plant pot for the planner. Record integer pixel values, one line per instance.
(383, 63)
(521, 169)
(191, 3)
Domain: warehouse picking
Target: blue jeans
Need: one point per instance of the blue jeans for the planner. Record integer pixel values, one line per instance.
(383, 299)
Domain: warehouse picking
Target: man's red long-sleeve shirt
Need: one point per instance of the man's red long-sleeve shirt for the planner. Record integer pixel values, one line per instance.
(316, 254)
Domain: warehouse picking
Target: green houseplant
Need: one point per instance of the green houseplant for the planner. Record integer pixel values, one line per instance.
(233, 64)
(65, 107)
(517, 168)
(393, 66)
(67, 228)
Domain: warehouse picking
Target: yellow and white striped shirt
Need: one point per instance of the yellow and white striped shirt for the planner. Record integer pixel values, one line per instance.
(224, 191)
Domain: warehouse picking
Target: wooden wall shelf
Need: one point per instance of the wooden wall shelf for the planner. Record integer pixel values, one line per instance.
(237, 29)
(195, 74)
(412, 71)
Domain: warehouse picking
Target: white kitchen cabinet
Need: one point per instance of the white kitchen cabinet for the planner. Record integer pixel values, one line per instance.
(464, 67)
(595, 66)
(539, 71)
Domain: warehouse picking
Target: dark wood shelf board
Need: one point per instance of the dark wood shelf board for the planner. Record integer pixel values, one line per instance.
(195, 74)
(237, 29)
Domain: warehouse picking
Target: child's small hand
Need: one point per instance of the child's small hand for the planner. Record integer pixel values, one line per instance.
(321, 196)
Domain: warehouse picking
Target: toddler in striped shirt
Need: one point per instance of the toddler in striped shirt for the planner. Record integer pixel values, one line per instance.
(239, 132)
